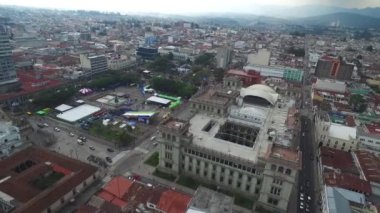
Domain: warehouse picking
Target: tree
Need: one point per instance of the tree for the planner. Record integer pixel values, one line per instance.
(369, 48)
(161, 63)
(357, 103)
(206, 59)
(173, 87)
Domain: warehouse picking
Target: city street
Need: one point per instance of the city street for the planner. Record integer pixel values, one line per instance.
(306, 188)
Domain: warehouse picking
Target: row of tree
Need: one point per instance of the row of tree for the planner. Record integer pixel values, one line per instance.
(173, 87)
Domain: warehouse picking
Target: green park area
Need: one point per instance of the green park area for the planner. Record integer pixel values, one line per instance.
(111, 133)
(153, 160)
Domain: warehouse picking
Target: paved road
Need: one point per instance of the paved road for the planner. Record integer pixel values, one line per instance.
(306, 177)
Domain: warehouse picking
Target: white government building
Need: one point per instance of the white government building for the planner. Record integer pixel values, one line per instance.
(248, 150)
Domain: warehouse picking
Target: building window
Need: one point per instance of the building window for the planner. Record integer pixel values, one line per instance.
(221, 179)
(168, 155)
(62, 200)
(238, 185)
(247, 187)
(229, 182)
(257, 191)
(277, 181)
(213, 176)
(273, 167)
(168, 147)
(272, 201)
(258, 182)
(173, 138)
(168, 165)
(281, 169)
(275, 191)
(205, 173)
(288, 171)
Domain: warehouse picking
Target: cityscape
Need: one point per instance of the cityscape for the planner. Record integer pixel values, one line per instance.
(213, 107)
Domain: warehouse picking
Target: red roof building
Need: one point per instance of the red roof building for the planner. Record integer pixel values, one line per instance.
(248, 78)
(370, 165)
(122, 194)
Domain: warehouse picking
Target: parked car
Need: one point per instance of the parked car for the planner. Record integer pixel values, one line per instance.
(57, 129)
(71, 134)
(92, 148)
(110, 150)
(109, 159)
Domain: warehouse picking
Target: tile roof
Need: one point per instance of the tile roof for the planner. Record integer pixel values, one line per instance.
(174, 202)
(347, 181)
(30, 197)
(370, 165)
(337, 159)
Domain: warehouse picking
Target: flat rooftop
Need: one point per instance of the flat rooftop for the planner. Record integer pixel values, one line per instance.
(215, 97)
(207, 139)
(207, 200)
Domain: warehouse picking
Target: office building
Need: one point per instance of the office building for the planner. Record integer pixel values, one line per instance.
(8, 77)
(147, 53)
(39, 180)
(223, 57)
(93, 64)
(249, 151)
(9, 138)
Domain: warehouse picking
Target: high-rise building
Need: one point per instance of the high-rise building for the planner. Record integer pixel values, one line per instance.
(93, 64)
(7, 69)
(223, 57)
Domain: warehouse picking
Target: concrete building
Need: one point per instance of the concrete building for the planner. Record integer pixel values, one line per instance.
(286, 73)
(180, 54)
(93, 64)
(120, 63)
(329, 91)
(260, 58)
(368, 136)
(252, 155)
(208, 201)
(223, 57)
(9, 138)
(212, 101)
(8, 77)
(39, 180)
(333, 68)
(334, 135)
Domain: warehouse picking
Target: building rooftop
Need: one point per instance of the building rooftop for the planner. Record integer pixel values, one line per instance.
(370, 164)
(330, 85)
(215, 97)
(347, 181)
(207, 200)
(336, 202)
(342, 132)
(122, 193)
(351, 196)
(373, 128)
(337, 159)
(19, 174)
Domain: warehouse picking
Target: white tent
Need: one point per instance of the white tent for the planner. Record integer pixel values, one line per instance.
(85, 91)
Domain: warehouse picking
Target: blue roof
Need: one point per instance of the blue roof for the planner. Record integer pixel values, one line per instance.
(336, 202)
(351, 196)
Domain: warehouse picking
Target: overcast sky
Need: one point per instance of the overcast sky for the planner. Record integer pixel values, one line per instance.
(183, 6)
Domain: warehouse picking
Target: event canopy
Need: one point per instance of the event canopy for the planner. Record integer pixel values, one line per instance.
(85, 91)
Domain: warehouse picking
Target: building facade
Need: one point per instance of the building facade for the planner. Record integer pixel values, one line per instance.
(7, 68)
(93, 64)
(223, 57)
(9, 138)
(235, 152)
(286, 73)
(333, 135)
(369, 138)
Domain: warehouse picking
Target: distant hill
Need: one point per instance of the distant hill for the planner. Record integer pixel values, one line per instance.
(344, 20)
(315, 10)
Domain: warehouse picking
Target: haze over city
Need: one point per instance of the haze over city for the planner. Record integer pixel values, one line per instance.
(186, 7)
(200, 106)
